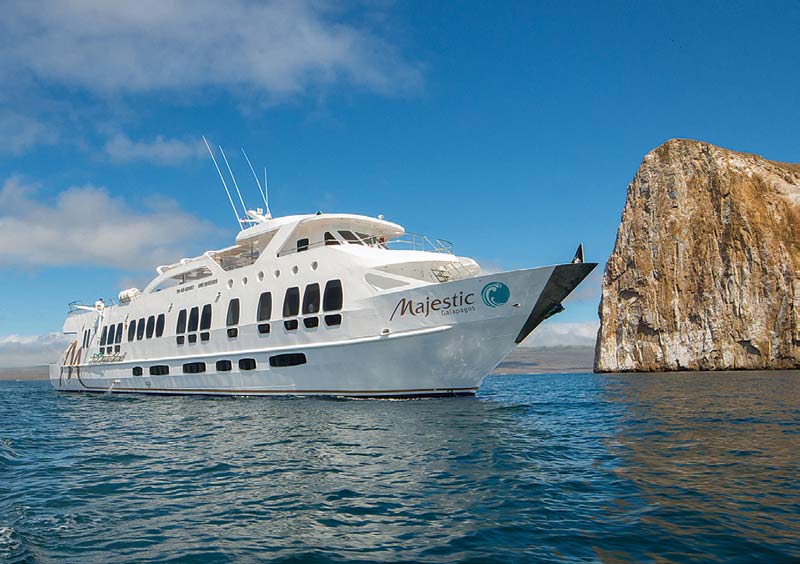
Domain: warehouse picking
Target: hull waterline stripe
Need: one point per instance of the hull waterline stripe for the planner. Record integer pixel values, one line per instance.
(276, 392)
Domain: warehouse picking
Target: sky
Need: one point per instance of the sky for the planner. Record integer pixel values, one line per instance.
(509, 128)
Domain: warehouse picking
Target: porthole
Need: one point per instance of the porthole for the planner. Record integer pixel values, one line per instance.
(294, 269)
(244, 281)
(230, 283)
(314, 265)
(261, 276)
(277, 274)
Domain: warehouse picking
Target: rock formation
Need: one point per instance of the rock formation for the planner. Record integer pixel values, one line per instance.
(705, 273)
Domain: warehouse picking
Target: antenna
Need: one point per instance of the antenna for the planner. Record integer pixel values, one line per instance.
(210, 152)
(266, 190)
(244, 207)
(260, 191)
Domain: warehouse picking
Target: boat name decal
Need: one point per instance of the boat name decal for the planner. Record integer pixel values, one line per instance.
(184, 289)
(207, 283)
(449, 305)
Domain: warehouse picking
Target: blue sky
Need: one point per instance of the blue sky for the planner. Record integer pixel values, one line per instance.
(510, 128)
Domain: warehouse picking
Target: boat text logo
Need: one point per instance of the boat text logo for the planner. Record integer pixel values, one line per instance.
(449, 305)
(495, 294)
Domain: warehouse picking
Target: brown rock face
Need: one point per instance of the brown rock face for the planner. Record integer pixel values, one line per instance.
(705, 273)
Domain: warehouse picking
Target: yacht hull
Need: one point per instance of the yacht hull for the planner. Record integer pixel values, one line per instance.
(433, 340)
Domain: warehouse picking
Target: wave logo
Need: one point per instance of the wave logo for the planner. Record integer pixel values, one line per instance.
(495, 294)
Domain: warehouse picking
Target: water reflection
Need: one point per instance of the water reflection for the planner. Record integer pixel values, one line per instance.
(716, 455)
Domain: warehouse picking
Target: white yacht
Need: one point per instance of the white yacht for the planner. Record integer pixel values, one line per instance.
(321, 304)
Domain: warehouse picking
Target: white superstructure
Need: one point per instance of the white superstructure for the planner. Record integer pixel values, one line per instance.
(312, 304)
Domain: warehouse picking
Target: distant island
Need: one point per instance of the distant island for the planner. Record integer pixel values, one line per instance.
(705, 273)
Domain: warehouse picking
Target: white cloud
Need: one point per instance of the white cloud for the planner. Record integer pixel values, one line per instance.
(19, 132)
(273, 47)
(18, 350)
(87, 226)
(551, 334)
(160, 150)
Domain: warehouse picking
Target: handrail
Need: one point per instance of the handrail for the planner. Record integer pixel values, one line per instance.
(415, 242)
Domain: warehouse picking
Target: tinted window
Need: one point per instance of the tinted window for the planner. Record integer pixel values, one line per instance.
(132, 330)
(103, 336)
(160, 325)
(111, 332)
(311, 322)
(247, 364)
(263, 328)
(302, 245)
(118, 338)
(151, 325)
(223, 365)
(350, 237)
(137, 371)
(330, 239)
(264, 307)
(205, 318)
(311, 299)
(194, 367)
(140, 329)
(334, 319)
(193, 315)
(290, 324)
(181, 326)
(233, 312)
(292, 359)
(291, 302)
(159, 370)
(332, 300)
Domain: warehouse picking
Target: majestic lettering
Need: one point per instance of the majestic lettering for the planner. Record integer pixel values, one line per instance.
(419, 308)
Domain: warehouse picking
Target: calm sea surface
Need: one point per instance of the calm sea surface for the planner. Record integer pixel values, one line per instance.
(547, 468)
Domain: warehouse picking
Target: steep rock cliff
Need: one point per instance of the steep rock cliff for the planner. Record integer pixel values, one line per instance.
(705, 273)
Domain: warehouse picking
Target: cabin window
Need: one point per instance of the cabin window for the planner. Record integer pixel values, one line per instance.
(223, 365)
(311, 322)
(160, 320)
(151, 326)
(181, 325)
(290, 324)
(192, 337)
(194, 367)
(232, 318)
(110, 336)
(311, 299)
(103, 335)
(136, 370)
(159, 370)
(291, 359)
(264, 312)
(194, 313)
(118, 337)
(350, 237)
(330, 239)
(205, 323)
(302, 245)
(247, 364)
(291, 302)
(333, 319)
(368, 240)
(332, 300)
(132, 331)
(140, 329)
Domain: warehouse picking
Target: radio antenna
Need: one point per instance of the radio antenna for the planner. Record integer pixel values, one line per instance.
(244, 207)
(266, 190)
(260, 191)
(219, 172)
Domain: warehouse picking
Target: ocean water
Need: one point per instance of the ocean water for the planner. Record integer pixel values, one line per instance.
(545, 468)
